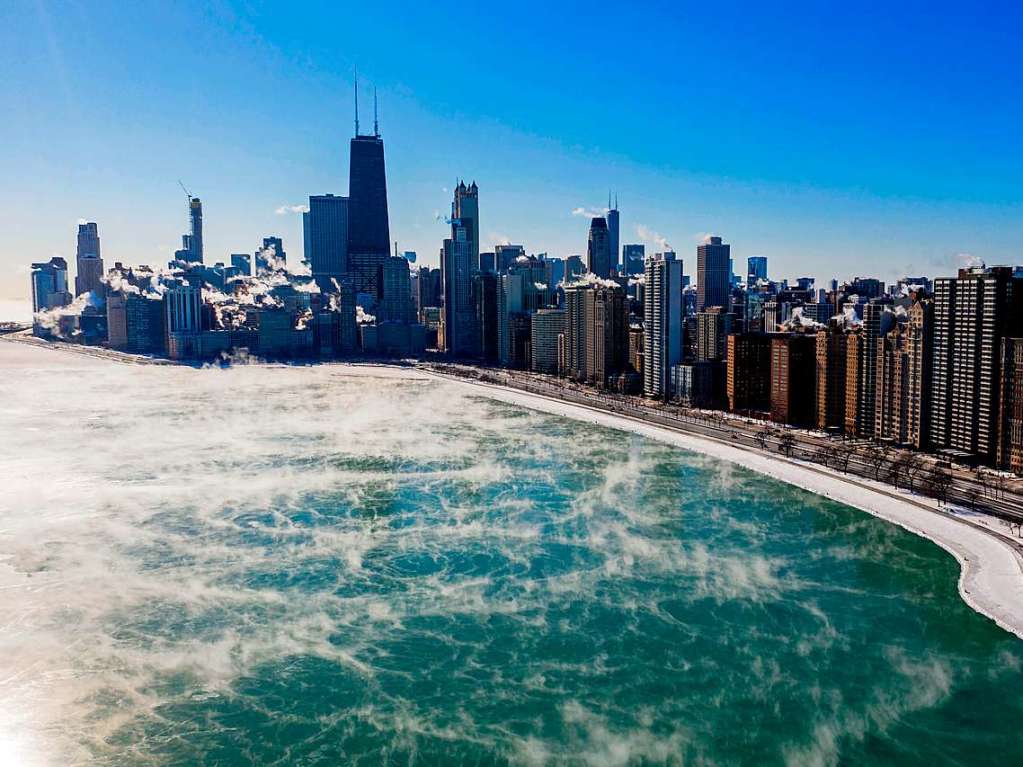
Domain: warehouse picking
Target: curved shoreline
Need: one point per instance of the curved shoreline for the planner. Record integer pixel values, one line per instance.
(990, 566)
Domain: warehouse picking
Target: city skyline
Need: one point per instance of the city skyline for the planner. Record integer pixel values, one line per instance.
(815, 214)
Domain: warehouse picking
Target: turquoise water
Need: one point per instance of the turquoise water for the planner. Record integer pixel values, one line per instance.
(272, 565)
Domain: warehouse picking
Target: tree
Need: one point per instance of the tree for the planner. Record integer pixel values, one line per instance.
(786, 444)
(761, 438)
(844, 454)
(877, 458)
(937, 483)
(913, 466)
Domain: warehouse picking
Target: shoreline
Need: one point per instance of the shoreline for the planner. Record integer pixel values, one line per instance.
(990, 565)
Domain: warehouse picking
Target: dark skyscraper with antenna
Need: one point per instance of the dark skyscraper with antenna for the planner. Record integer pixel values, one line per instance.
(368, 231)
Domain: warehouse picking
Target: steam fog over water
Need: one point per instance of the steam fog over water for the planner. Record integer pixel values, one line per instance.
(332, 565)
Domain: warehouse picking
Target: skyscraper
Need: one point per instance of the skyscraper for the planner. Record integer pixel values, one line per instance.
(196, 242)
(712, 274)
(1010, 436)
(394, 294)
(662, 310)
(369, 238)
(748, 380)
(458, 319)
(466, 208)
(831, 351)
(794, 379)
(756, 269)
(327, 234)
(89, 263)
(276, 244)
(547, 327)
(49, 284)
(598, 249)
(972, 314)
(612, 231)
(633, 258)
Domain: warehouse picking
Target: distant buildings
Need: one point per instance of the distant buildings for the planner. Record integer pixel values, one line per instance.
(466, 209)
(394, 293)
(633, 257)
(327, 234)
(50, 284)
(458, 332)
(89, 263)
(598, 248)
(712, 274)
(192, 243)
(613, 224)
(756, 270)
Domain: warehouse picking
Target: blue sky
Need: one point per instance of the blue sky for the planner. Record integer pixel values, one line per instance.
(836, 141)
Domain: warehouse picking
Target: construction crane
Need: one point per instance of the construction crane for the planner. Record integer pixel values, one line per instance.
(187, 193)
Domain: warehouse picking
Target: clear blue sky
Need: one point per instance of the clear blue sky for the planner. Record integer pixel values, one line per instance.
(836, 141)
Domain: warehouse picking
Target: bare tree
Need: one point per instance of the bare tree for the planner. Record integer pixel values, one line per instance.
(914, 465)
(877, 458)
(786, 444)
(937, 483)
(843, 454)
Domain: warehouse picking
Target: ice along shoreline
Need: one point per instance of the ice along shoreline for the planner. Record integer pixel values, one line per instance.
(990, 565)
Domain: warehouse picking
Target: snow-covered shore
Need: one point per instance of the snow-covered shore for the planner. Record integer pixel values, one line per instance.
(991, 568)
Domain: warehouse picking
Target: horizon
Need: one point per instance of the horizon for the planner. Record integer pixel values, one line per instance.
(839, 178)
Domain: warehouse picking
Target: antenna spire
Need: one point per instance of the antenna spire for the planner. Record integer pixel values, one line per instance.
(356, 101)
(609, 199)
(376, 125)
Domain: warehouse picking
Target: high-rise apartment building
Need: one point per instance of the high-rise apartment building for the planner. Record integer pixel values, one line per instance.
(919, 361)
(327, 241)
(1010, 435)
(973, 313)
(598, 248)
(548, 325)
(89, 263)
(607, 333)
(794, 379)
(748, 374)
(662, 316)
(878, 319)
(831, 377)
(713, 326)
(713, 274)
